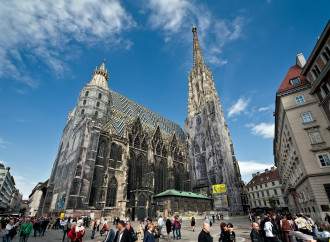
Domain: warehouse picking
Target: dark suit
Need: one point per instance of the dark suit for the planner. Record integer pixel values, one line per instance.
(255, 236)
(126, 237)
(110, 236)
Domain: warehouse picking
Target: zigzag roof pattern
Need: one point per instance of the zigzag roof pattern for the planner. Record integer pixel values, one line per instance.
(124, 111)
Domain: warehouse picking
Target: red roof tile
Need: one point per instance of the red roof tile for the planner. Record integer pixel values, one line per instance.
(264, 178)
(293, 72)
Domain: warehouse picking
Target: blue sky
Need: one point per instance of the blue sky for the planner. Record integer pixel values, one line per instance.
(49, 49)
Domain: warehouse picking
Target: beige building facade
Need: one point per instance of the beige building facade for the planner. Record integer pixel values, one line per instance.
(302, 145)
(263, 187)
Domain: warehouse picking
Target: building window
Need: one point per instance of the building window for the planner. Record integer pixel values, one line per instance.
(176, 206)
(265, 203)
(260, 186)
(299, 168)
(315, 137)
(84, 102)
(101, 150)
(324, 159)
(96, 113)
(266, 185)
(307, 117)
(273, 183)
(82, 111)
(313, 209)
(315, 73)
(185, 206)
(325, 56)
(317, 69)
(86, 94)
(112, 192)
(100, 96)
(325, 90)
(275, 191)
(295, 81)
(268, 193)
(299, 99)
(98, 104)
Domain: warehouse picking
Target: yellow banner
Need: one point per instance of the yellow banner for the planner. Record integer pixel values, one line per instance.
(62, 215)
(220, 188)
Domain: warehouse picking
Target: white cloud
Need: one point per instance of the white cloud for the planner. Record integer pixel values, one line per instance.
(175, 17)
(249, 167)
(47, 31)
(270, 107)
(265, 130)
(3, 143)
(238, 107)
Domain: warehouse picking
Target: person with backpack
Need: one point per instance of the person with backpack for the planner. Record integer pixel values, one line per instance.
(193, 222)
(286, 228)
(25, 230)
(168, 228)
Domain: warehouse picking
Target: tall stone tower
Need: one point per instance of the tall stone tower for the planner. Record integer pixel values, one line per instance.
(211, 154)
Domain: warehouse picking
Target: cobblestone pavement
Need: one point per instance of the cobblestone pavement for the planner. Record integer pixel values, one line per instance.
(242, 230)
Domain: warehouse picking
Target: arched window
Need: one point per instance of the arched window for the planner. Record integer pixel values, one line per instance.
(144, 144)
(113, 154)
(137, 142)
(101, 150)
(84, 102)
(98, 104)
(112, 192)
(176, 206)
(326, 57)
(178, 171)
(164, 152)
(86, 94)
(158, 149)
(96, 113)
(82, 111)
(160, 178)
(78, 170)
(119, 153)
(100, 96)
(139, 170)
(130, 139)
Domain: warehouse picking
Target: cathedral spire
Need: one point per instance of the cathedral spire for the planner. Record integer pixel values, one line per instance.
(100, 77)
(198, 55)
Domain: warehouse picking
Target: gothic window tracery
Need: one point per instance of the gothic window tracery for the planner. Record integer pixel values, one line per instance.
(144, 144)
(160, 175)
(119, 153)
(158, 149)
(139, 170)
(78, 170)
(130, 138)
(113, 154)
(86, 94)
(100, 96)
(137, 142)
(101, 150)
(112, 192)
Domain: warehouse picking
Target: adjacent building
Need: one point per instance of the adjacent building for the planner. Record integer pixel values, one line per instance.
(265, 192)
(16, 200)
(7, 187)
(302, 140)
(36, 199)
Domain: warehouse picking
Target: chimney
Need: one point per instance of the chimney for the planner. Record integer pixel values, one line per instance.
(266, 170)
(272, 168)
(300, 60)
(253, 175)
(258, 173)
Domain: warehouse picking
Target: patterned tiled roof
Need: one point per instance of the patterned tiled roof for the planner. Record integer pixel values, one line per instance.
(264, 177)
(124, 111)
(294, 72)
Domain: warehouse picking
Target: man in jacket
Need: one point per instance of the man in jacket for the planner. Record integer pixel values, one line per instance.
(26, 230)
(303, 225)
(122, 235)
(110, 234)
(204, 235)
(255, 236)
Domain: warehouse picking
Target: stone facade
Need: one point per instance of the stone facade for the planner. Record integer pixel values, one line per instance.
(211, 153)
(114, 156)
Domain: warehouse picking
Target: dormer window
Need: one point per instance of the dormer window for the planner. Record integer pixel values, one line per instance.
(294, 81)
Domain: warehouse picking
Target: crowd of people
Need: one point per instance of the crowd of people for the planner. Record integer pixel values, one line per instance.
(277, 227)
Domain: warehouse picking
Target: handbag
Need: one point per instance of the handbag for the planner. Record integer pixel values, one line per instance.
(134, 237)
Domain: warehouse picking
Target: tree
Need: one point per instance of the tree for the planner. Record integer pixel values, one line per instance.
(272, 202)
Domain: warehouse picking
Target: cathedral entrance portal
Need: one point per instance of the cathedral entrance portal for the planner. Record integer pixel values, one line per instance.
(142, 203)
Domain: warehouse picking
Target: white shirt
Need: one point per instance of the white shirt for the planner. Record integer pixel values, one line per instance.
(160, 222)
(268, 229)
(8, 227)
(105, 222)
(324, 233)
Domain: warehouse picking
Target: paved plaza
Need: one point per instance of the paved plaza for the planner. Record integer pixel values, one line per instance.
(241, 224)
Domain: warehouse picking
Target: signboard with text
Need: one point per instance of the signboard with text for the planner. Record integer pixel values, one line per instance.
(219, 188)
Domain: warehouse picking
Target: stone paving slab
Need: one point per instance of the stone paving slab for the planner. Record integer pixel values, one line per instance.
(241, 224)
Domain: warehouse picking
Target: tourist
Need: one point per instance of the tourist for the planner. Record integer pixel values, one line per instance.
(204, 235)
(148, 236)
(156, 232)
(66, 229)
(98, 221)
(114, 220)
(223, 229)
(311, 223)
(10, 230)
(77, 232)
(25, 230)
(36, 227)
(207, 220)
(268, 230)
(122, 235)
(193, 222)
(231, 233)
(179, 226)
(168, 228)
(2, 233)
(93, 229)
(326, 231)
(43, 226)
(160, 225)
(302, 224)
(105, 223)
(285, 229)
(109, 237)
(149, 221)
(175, 228)
(255, 235)
(129, 228)
(213, 218)
(251, 218)
(141, 231)
(258, 221)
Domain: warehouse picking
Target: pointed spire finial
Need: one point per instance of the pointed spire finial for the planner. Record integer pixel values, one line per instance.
(198, 55)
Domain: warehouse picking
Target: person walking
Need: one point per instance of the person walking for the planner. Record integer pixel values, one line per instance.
(224, 231)
(207, 220)
(179, 226)
(269, 230)
(140, 230)
(110, 234)
(213, 218)
(192, 222)
(168, 228)
(98, 224)
(160, 226)
(255, 235)
(93, 229)
(36, 227)
(148, 236)
(11, 232)
(175, 228)
(231, 233)
(66, 229)
(122, 235)
(204, 235)
(77, 232)
(25, 230)
(155, 232)
(285, 229)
